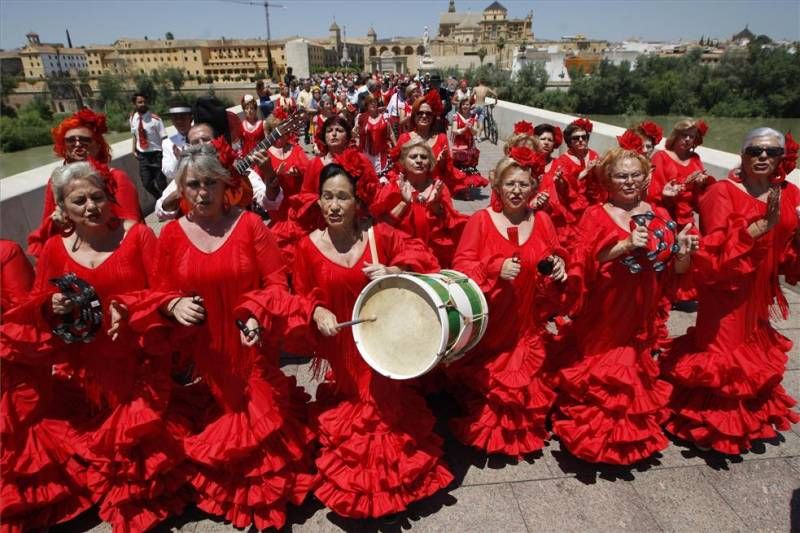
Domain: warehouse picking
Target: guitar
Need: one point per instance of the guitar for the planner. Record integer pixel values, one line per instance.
(297, 119)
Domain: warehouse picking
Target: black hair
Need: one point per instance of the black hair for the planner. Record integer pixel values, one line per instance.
(569, 130)
(544, 128)
(137, 95)
(331, 170)
(341, 121)
(209, 110)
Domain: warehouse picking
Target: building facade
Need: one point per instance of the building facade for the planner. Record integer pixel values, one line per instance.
(44, 60)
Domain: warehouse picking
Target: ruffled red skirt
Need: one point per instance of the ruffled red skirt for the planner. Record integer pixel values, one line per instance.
(505, 399)
(727, 399)
(610, 407)
(376, 459)
(251, 463)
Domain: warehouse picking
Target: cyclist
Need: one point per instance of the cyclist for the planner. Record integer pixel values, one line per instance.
(479, 94)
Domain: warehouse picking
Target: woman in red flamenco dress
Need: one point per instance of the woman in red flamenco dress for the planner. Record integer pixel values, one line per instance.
(423, 122)
(499, 384)
(252, 449)
(334, 137)
(80, 138)
(252, 129)
(41, 483)
(375, 135)
(611, 401)
(465, 154)
(379, 452)
(136, 470)
(417, 202)
(579, 186)
(727, 370)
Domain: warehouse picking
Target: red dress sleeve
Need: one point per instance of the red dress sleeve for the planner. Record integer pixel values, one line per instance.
(473, 258)
(311, 176)
(16, 275)
(395, 248)
(727, 252)
(38, 237)
(126, 196)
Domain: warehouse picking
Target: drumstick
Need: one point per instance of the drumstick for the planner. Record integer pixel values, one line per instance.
(354, 322)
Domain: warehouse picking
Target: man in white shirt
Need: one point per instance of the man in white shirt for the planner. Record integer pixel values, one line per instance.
(304, 98)
(269, 198)
(148, 133)
(181, 115)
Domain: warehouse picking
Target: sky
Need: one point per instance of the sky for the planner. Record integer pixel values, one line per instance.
(104, 21)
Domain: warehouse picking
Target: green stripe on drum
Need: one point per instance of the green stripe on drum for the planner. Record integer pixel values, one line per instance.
(474, 298)
(453, 318)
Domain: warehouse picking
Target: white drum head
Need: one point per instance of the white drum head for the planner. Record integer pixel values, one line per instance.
(406, 339)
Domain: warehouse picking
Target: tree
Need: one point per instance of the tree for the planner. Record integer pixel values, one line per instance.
(482, 54)
(7, 86)
(110, 87)
(176, 77)
(168, 36)
(501, 43)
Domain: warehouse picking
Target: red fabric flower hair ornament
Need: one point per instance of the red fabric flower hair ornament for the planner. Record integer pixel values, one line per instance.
(702, 129)
(105, 172)
(584, 124)
(528, 159)
(94, 121)
(631, 141)
(433, 99)
(652, 130)
(241, 192)
(523, 127)
(362, 171)
(789, 162)
(558, 137)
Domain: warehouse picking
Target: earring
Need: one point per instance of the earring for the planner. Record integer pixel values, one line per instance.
(67, 228)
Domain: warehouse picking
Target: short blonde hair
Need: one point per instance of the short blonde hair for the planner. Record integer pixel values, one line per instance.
(680, 126)
(418, 143)
(503, 166)
(517, 139)
(612, 157)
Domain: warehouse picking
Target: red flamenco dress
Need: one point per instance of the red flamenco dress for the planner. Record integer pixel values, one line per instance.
(454, 178)
(727, 370)
(379, 451)
(562, 218)
(41, 483)
(125, 206)
(439, 226)
(575, 195)
(465, 153)
(610, 400)
(282, 221)
(118, 393)
(665, 169)
(499, 383)
(374, 141)
(252, 451)
(250, 135)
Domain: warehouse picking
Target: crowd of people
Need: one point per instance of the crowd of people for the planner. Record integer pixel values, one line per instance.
(141, 374)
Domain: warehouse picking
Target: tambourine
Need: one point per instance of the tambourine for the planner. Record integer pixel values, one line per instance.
(87, 312)
(662, 243)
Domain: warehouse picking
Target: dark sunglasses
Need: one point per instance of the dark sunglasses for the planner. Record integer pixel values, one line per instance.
(772, 151)
(424, 114)
(75, 139)
(579, 138)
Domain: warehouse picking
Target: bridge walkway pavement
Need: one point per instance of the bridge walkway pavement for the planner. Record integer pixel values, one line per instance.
(680, 489)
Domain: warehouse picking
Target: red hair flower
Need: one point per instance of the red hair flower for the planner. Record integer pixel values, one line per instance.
(631, 141)
(530, 159)
(105, 173)
(362, 171)
(789, 162)
(702, 128)
(652, 130)
(433, 99)
(241, 192)
(558, 137)
(584, 124)
(94, 121)
(523, 127)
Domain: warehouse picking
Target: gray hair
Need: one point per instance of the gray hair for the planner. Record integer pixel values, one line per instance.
(763, 132)
(63, 176)
(201, 158)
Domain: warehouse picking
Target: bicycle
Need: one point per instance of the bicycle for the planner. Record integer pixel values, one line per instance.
(489, 124)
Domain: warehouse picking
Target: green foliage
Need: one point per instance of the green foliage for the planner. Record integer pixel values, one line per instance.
(28, 128)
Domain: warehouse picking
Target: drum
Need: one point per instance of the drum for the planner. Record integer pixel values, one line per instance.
(421, 320)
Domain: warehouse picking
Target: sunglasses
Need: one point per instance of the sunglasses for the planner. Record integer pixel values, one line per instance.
(579, 138)
(75, 139)
(424, 114)
(772, 151)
